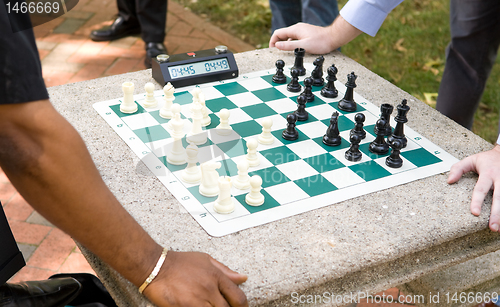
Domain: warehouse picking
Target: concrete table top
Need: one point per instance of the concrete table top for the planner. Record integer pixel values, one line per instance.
(366, 244)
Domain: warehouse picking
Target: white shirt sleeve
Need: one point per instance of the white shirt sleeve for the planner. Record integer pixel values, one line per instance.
(498, 140)
(368, 15)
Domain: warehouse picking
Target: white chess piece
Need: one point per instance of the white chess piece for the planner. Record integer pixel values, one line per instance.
(224, 128)
(204, 111)
(176, 116)
(177, 153)
(166, 110)
(209, 186)
(128, 104)
(192, 173)
(197, 135)
(150, 101)
(255, 197)
(252, 157)
(196, 94)
(224, 204)
(242, 181)
(266, 138)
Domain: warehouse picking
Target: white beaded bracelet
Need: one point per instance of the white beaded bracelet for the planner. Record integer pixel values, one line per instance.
(156, 270)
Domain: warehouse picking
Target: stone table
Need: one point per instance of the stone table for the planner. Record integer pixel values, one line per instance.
(365, 245)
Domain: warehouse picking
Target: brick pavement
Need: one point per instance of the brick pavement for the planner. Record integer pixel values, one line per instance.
(68, 56)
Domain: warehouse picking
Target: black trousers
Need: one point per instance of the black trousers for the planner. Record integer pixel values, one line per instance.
(11, 259)
(150, 15)
(475, 38)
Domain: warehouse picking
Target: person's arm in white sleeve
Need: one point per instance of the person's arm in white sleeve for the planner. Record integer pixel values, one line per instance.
(356, 17)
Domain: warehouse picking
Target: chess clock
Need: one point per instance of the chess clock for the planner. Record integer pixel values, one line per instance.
(195, 67)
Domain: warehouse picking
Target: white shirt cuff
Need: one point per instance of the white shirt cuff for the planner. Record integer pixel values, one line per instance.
(368, 15)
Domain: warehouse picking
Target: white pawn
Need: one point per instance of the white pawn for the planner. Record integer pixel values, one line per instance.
(224, 128)
(197, 136)
(176, 116)
(255, 197)
(177, 153)
(242, 181)
(252, 157)
(150, 101)
(192, 173)
(209, 186)
(128, 104)
(266, 138)
(204, 111)
(166, 110)
(196, 94)
(224, 203)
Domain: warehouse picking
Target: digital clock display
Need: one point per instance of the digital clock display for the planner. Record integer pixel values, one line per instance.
(199, 68)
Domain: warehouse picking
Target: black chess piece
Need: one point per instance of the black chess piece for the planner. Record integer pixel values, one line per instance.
(301, 112)
(385, 114)
(379, 145)
(347, 103)
(400, 119)
(308, 89)
(329, 90)
(353, 154)
(358, 127)
(332, 137)
(394, 160)
(279, 77)
(317, 73)
(290, 133)
(294, 85)
(299, 61)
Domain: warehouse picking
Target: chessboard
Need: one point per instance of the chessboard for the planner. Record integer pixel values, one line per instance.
(297, 176)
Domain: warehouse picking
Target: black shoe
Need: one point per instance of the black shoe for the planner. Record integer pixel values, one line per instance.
(152, 50)
(93, 291)
(44, 293)
(120, 28)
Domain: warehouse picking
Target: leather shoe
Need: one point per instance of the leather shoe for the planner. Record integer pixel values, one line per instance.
(120, 28)
(44, 293)
(152, 50)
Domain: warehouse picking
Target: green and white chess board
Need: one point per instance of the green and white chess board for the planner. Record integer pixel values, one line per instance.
(298, 176)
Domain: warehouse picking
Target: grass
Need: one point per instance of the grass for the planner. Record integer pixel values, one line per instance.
(250, 20)
(409, 49)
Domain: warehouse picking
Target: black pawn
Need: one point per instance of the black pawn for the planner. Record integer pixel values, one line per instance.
(299, 61)
(317, 73)
(329, 90)
(290, 133)
(347, 103)
(358, 128)
(308, 89)
(394, 160)
(332, 137)
(279, 77)
(294, 85)
(301, 112)
(379, 145)
(385, 114)
(353, 154)
(400, 119)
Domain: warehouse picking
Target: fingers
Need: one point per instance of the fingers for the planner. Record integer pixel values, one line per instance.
(235, 277)
(281, 35)
(460, 168)
(289, 45)
(233, 295)
(482, 187)
(495, 211)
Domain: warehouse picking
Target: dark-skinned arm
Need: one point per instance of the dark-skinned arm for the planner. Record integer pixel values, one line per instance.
(47, 162)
